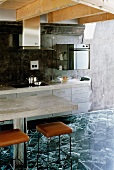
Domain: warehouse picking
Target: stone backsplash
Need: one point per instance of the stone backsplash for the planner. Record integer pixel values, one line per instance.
(15, 64)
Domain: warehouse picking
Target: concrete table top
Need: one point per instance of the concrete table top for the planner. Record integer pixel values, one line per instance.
(33, 106)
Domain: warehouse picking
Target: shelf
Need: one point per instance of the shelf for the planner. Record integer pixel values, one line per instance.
(35, 48)
(61, 60)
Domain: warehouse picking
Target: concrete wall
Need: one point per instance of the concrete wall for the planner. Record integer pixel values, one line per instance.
(102, 65)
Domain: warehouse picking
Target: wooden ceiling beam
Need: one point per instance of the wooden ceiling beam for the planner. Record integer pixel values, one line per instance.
(96, 18)
(40, 7)
(105, 5)
(73, 12)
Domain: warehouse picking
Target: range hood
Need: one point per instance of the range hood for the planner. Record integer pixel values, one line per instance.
(31, 34)
(26, 36)
(30, 39)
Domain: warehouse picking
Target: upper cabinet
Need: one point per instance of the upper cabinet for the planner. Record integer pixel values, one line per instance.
(70, 57)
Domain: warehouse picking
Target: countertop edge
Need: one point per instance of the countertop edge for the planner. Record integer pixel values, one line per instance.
(48, 87)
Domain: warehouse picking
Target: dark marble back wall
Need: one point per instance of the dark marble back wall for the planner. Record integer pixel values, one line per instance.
(15, 64)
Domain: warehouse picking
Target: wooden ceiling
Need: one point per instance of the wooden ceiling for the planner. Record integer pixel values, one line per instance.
(85, 11)
(14, 4)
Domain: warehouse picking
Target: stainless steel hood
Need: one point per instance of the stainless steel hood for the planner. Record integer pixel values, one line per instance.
(31, 34)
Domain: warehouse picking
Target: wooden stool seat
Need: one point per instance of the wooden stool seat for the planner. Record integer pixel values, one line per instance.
(12, 137)
(53, 129)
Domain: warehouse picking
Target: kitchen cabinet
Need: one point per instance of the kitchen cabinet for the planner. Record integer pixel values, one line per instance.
(78, 95)
(64, 93)
(81, 96)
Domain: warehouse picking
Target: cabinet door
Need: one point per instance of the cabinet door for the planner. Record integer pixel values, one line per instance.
(63, 58)
(82, 108)
(80, 96)
(81, 89)
(82, 59)
(64, 93)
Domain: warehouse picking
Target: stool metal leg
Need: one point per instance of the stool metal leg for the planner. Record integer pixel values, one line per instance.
(59, 149)
(48, 140)
(38, 149)
(70, 152)
(14, 155)
(25, 155)
(59, 160)
(25, 144)
(0, 157)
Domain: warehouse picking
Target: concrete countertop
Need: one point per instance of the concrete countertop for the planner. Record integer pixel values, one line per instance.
(33, 106)
(71, 83)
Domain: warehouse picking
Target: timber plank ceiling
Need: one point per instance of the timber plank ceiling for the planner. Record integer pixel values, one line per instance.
(85, 11)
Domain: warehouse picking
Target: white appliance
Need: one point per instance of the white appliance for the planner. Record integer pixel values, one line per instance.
(82, 56)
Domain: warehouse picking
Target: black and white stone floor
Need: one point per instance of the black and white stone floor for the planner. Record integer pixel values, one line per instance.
(92, 141)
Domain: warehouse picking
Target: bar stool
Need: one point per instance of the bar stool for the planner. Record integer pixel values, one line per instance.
(13, 137)
(49, 130)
